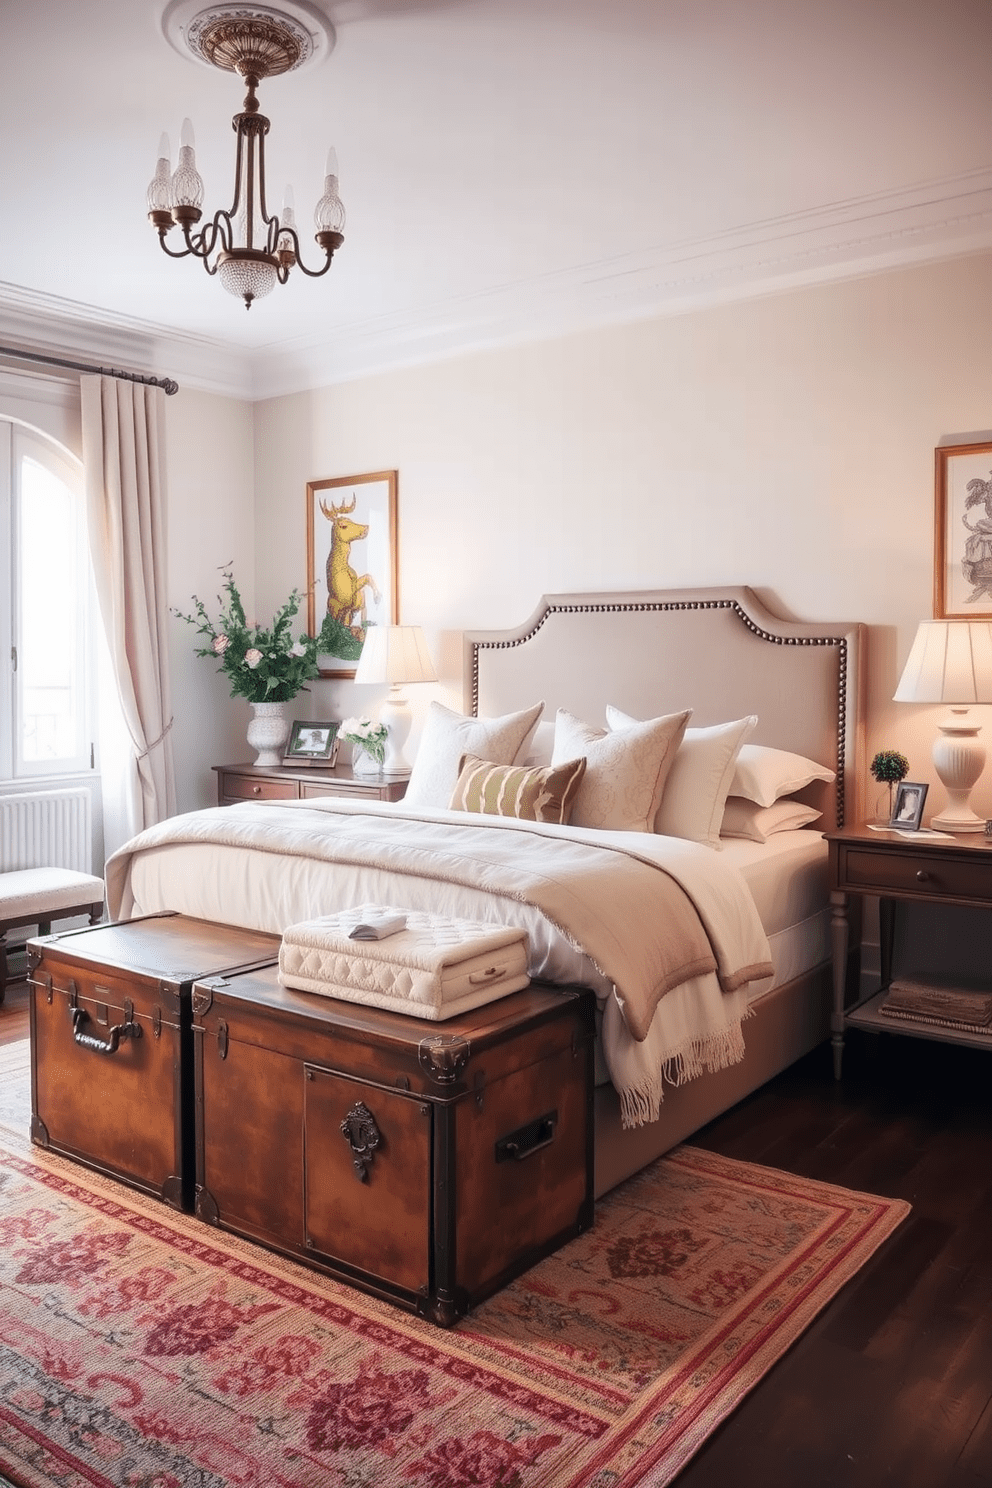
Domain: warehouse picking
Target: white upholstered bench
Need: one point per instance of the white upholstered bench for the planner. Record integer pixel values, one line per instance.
(37, 896)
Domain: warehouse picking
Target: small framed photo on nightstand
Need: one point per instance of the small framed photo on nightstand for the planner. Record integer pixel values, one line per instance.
(312, 744)
(907, 813)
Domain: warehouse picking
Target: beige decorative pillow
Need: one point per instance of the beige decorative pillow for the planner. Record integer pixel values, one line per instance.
(626, 770)
(542, 794)
(448, 735)
(697, 787)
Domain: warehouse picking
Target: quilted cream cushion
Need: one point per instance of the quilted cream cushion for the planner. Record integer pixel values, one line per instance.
(435, 967)
(543, 795)
(448, 736)
(626, 769)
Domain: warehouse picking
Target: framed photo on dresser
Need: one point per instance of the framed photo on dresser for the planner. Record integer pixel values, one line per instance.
(312, 744)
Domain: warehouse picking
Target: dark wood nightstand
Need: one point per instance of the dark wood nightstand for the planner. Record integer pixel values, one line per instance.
(284, 783)
(899, 866)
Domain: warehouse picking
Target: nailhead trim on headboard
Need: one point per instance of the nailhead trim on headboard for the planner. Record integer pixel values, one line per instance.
(618, 606)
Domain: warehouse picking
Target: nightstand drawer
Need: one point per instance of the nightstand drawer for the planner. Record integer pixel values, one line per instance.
(935, 874)
(392, 790)
(243, 788)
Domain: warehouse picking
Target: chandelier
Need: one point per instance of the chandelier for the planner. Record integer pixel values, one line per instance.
(248, 249)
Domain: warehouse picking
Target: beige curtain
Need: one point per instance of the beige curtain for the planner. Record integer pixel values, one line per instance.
(124, 458)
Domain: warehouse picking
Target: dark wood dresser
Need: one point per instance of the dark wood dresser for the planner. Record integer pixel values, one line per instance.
(286, 783)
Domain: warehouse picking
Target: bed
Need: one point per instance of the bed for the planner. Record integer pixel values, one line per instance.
(764, 692)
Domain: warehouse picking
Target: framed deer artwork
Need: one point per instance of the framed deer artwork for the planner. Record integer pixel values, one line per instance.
(351, 564)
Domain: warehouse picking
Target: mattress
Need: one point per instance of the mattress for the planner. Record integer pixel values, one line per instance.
(787, 878)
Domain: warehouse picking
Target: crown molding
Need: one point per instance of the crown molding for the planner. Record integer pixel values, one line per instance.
(50, 324)
(839, 240)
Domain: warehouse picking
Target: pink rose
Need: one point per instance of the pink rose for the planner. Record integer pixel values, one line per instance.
(221, 644)
(253, 657)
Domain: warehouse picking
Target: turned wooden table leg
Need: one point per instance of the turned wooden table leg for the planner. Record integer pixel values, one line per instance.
(840, 938)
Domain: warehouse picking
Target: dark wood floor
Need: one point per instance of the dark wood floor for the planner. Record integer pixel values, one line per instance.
(893, 1382)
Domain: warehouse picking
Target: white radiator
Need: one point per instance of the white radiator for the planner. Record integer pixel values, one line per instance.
(46, 829)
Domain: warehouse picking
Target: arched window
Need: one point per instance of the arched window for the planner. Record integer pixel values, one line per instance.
(46, 629)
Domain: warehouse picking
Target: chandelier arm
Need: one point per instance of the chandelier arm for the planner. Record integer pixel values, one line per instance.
(316, 273)
(175, 253)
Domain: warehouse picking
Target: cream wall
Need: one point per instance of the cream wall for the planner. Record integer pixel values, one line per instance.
(785, 442)
(210, 524)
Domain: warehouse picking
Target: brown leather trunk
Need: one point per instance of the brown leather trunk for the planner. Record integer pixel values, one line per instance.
(111, 1043)
(426, 1162)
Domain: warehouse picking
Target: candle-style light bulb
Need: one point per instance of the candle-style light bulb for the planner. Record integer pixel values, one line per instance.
(159, 196)
(287, 220)
(329, 215)
(187, 185)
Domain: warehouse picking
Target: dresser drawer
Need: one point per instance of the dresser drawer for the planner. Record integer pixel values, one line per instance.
(938, 874)
(243, 788)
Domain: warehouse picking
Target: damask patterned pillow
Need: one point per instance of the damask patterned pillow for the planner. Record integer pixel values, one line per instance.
(538, 794)
(626, 769)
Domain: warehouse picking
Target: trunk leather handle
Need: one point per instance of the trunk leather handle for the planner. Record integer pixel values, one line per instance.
(109, 1045)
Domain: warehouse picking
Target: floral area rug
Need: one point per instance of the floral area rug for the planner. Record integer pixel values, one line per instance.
(140, 1348)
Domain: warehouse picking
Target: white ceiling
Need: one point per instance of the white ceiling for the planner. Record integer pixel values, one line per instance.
(510, 169)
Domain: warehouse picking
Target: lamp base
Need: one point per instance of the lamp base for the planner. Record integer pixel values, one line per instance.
(959, 759)
(951, 820)
(395, 714)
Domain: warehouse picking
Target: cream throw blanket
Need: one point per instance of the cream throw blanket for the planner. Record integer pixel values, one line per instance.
(651, 913)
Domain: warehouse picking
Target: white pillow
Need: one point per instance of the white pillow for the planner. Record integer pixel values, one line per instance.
(448, 735)
(697, 787)
(763, 774)
(540, 746)
(626, 769)
(743, 818)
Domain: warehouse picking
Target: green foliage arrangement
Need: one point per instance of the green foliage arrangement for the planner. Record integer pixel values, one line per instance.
(367, 735)
(264, 666)
(889, 766)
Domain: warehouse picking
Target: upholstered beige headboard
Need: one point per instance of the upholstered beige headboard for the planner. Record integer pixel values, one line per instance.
(719, 651)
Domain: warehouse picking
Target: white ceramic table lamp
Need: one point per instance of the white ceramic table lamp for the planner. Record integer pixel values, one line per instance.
(951, 662)
(396, 654)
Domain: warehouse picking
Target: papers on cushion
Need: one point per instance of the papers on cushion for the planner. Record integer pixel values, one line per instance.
(376, 924)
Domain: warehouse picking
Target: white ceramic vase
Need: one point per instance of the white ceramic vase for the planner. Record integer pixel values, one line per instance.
(268, 732)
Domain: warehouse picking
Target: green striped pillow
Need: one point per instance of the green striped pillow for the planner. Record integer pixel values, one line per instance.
(545, 794)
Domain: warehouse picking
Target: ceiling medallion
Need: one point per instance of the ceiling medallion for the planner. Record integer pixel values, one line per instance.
(249, 249)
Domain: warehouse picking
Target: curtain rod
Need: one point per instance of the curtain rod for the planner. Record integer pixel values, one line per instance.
(166, 383)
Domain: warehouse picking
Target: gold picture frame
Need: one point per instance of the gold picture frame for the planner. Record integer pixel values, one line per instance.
(356, 590)
(962, 546)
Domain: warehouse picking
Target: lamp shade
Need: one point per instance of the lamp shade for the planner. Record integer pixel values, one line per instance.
(950, 662)
(395, 654)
